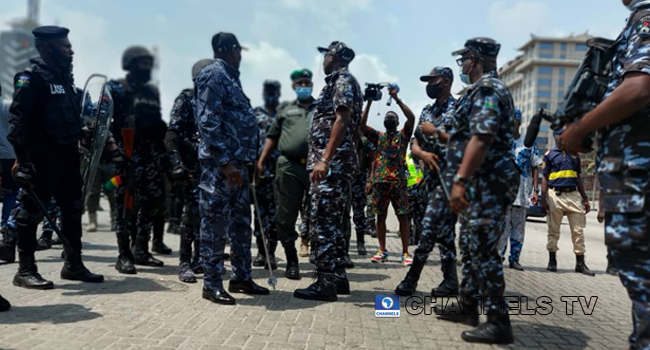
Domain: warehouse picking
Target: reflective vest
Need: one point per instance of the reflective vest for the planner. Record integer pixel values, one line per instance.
(415, 174)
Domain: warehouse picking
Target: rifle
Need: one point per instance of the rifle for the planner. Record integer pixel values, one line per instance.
(128, 137)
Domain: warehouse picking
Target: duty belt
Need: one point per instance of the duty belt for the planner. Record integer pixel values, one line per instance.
(560, 190)
(302, 161)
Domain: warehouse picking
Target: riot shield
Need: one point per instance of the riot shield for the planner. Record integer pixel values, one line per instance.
(96, 116)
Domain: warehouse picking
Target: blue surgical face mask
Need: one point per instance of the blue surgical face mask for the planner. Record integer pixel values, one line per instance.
(464, 78)
(303, 92)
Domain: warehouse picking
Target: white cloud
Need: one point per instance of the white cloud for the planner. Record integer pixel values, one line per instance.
(266, 26)
(332, 17)
(507, 19)
(392, 20)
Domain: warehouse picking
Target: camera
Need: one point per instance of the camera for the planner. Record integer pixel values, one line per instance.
(373, 91)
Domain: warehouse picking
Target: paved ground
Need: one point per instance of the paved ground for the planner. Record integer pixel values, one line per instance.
(153, 310)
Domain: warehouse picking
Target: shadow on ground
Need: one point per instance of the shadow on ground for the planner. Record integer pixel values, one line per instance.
(115, 285)
(54, 314)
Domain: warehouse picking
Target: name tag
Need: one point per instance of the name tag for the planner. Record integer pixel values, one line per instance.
(56, 89)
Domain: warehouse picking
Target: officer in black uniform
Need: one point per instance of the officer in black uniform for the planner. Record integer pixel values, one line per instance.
(45, 128)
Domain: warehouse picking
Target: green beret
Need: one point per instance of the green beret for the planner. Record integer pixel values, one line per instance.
(301, 73)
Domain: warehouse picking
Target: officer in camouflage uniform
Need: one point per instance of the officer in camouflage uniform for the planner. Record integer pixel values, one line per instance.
(182, 141)
(624, 167)
(265, 116)
(137, 105)
(332, 161)
(288, 135)
(366, 153)
(429, 146)
(228, 145)
(484, 185)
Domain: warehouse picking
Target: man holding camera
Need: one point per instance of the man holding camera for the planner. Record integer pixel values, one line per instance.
(624, 167)
(388, 175)
(332, 161)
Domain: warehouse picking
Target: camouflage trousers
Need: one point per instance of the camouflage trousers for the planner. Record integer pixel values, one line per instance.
(370, 215)
(225, 215)
(52, 209)
(482, 224)
(329, 199)
(438, 227)
(514, 232)
(267, 211)
(190, 227)
(359, 200)
(417, 207)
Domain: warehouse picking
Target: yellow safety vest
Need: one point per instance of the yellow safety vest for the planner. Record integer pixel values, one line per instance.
(415, 175)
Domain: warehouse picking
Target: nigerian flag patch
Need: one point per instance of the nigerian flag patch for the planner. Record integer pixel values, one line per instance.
(23, 81)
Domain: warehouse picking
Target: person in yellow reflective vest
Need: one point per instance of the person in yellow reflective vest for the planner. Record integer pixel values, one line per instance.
(417, 199)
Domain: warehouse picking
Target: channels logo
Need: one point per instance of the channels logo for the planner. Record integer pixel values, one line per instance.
(386, 306)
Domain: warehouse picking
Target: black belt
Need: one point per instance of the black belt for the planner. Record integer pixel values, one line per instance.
(564, 189)
(298, 160)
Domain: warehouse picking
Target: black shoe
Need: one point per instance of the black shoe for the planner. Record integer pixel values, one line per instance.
(611, 269)
(125, 265)
(361, 249)
(497, 330)
(8, 252)
(4, 304)
(247, 287)
(78, 272)
(517, 266)
(322, 289)
(552, 262)
(45, 241)
(341, 281)
(185, 273)
(147, 260)
(28, 277)
(471, 319)
(449, 285)
(293, 269)
(218, 296)
(410, 283)
(160, 248)
(581, 266)
(347, 262)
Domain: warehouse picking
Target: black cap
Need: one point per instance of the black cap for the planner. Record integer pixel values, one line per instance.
(301, 73)
(272, 84)
(439, 72)
(50, 32)
(338, 49)
(481, 46)
(224, 42)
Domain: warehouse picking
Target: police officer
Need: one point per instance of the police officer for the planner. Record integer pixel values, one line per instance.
(624, 167)
(332, 161)
(484, 185)
(288, 134)
(229, 143)
(429, 146)
(182, 141)
(45, 131)
(265, 116)
(137, 106)
(563, 193)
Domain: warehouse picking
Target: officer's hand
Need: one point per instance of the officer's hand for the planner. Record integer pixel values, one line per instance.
(260, 167)
(320, 172)
(534, 198)
(587, 207)
(23, 174)
(393, 89)
(457, 201)
(233, 176)
(368, 187)
(427, 128)
(572, 137)
(601, 214)
(431, 161)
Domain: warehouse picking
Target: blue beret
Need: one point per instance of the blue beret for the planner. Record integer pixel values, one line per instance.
(50, 32)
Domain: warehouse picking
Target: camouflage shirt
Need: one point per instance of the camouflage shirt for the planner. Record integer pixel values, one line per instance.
(182, 135)
(225, 119)
(486, 109)
(341, 89)
(264, 121)
(442, 117)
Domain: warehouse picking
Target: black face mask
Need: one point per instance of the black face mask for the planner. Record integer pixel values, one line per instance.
(142, 75)
(434, 90)
(390, 124)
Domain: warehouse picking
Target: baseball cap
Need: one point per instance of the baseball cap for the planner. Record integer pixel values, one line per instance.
(223, 42)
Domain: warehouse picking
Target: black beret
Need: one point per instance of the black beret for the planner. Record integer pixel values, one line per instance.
(50, 32)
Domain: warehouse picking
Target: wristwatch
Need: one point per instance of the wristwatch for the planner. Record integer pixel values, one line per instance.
(324, 160)
(461, 180)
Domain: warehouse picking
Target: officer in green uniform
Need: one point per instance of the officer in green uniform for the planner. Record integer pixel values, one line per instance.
(289, 133)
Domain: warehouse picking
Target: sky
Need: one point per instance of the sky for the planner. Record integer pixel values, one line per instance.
(395, 41)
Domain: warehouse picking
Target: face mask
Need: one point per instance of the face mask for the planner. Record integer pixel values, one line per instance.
(142, 75)
(390, 124)
(434, 90)
(303, 93)
(272, 100)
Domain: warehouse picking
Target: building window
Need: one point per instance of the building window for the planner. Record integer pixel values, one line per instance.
(544, 82)
(562, 71)
(543, 94)
(560, 82)
(543, 128)
(542, 105)
(563, 46)
(560, 95)
(546, 45)
(563, 57)
(545, 70)
(542, 141)
(546, 55)
(581, 47)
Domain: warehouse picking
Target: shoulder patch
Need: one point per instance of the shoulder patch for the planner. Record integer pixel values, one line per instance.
(342, 84)
(491, 102)
(23, 81)
(642, 26)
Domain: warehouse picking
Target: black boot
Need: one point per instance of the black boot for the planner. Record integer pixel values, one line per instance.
(611, 269)
(157, 243)
(497, 330)
(45, 241)
(28, 276)
(247, 287)
(581, 266)
(218, 296)
(8, 245)
(74, 270)
(347, 262)
(552, 262)
(185, 273)
(516, 266)
(322, 289)
(361, 243)
(341, 281)
(160, 248)
(274, 262)
(260, 259)
(410, 283)
(142, 256)
(293, 269)
(4, 304)
(124, 262)
(468, 316)
(449, 285)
